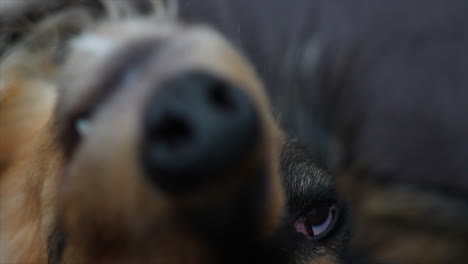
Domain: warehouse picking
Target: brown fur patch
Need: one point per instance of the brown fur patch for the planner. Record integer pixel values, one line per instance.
(400, 224)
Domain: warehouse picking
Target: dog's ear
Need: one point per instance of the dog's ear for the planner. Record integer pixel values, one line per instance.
(25, 107)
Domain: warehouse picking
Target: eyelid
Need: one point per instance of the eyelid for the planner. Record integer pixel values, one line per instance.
(315, 204)
(309, 197)
(113, 75)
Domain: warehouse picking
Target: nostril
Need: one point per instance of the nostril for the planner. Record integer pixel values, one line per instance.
(197, 128)
(172, 131)
(220, 97)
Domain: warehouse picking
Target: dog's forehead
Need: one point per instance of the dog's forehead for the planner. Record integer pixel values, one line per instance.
(168, 49)
(118, 32)
(90, 49)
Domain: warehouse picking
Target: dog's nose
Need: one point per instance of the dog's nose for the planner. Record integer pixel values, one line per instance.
(197, 129)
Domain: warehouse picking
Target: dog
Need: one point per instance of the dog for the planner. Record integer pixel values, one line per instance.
(131, 136)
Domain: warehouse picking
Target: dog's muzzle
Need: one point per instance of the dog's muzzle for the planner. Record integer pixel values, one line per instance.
(197, 127)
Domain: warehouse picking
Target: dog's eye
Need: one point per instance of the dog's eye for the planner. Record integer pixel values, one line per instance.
(82, 127)
(76, 129)
(317, 222)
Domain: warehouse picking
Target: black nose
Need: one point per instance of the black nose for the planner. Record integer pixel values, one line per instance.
(197, 129)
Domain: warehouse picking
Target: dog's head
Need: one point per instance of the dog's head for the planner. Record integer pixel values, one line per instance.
(168, 146)
(161, 149)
